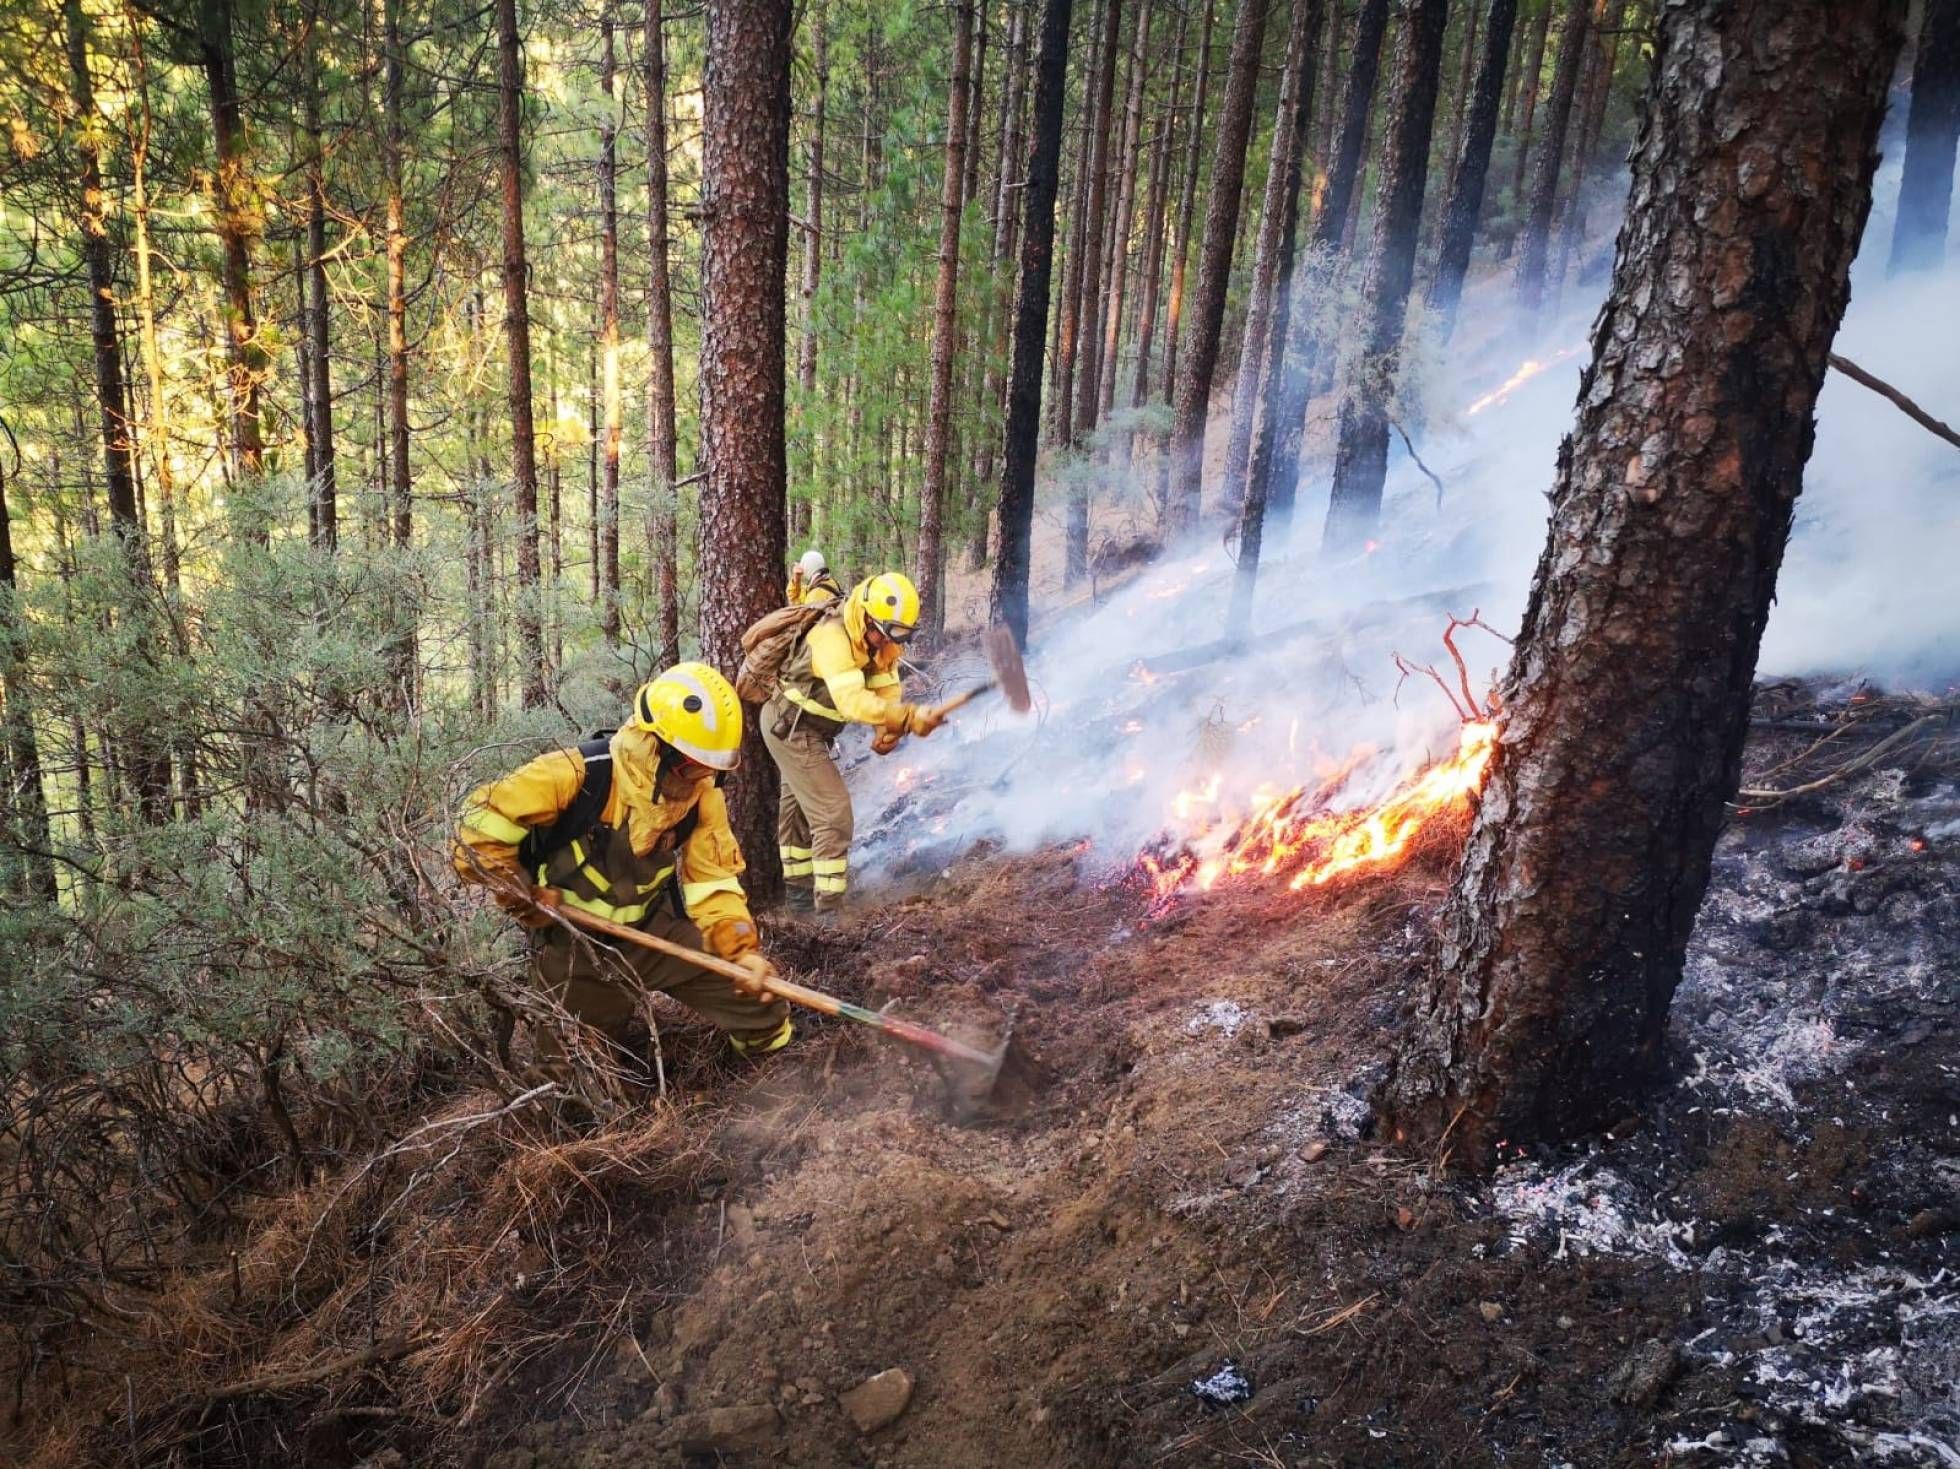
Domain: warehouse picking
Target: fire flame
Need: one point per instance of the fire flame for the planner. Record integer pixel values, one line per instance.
(1293, 834)
(1527, 370)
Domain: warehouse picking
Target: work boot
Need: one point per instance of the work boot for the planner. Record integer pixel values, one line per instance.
(798, 898)
(830, 907)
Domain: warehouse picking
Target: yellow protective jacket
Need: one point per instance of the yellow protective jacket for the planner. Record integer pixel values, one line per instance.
(823, 589)
(833, 676)
(648, 837)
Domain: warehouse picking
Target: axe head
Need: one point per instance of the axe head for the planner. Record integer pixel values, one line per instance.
(1005, 658)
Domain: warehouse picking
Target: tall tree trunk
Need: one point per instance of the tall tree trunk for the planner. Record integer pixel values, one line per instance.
(744, 256)
(1536, 235)
(1009, 600)
(1534, 71)
(1597, 91)
(1276, 211)
(1006, 212)
(1187, 211)
(977, 91)
(1932, 132)
(325, 519)
(945, 329)
(237, 217)
(663, 501)
(554, 520)
(1298, 95)
(609, 332)
(1306, 355)
(149, 767)
(517, 337)
(1460, 102)
(400, 482)
(1124, 215)
(1361, 454)
(26, 798)
(1068, 343)
(1627, 701)
(1466, 197)
(1095, 301)
(1156, 197)
(1193, 400)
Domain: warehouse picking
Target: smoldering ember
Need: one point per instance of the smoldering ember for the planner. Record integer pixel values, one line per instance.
(1019, 732)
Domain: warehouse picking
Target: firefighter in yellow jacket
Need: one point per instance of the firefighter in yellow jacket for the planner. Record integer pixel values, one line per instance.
(844, 671)
(810, 582)
(632, 827)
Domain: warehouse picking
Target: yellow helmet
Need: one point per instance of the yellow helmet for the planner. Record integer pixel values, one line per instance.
(694, 709)
(888, 602)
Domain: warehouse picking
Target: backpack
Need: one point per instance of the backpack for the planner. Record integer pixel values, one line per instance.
(766, 646)
(581, 818)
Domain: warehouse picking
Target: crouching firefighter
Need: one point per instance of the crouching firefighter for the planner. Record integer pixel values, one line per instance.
(631, 825)
(841, 668)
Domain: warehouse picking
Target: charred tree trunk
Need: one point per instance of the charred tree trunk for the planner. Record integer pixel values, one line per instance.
(1932, 131)
(609, 333)
(1361, 453)
(1273, 424)
(1304, 351)
(1460, 102)
(945, 330)
(236, 217)
(1466, 196)
(662, 455)
(1193, 402)
(325, 520)
(744, 257)
(1010, 589)
(1536, 235)
(1094, 299)
(517, 337)
(1627, 700)
(1276, 213)
(1068, 326)
(148, 766)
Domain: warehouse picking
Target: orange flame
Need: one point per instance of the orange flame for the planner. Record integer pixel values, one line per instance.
(1527, 370)
(1294, 834)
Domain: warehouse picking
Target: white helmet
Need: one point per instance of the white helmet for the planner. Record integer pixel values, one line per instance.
(812, 565)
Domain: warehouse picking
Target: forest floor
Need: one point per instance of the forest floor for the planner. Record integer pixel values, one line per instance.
(1761, 1270)
(1184, 1249)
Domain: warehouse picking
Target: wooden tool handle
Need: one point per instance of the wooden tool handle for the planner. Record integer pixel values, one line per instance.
(960, 701)
(785, 989)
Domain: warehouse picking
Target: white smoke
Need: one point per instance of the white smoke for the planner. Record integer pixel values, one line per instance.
(1131, 709)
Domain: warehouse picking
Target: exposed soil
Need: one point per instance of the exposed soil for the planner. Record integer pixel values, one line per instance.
(1757, 1271)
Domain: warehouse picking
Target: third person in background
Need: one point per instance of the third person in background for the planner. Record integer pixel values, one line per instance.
(810, 581)
(843, 671)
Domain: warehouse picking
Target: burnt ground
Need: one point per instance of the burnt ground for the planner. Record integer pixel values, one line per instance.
(1759, 1270)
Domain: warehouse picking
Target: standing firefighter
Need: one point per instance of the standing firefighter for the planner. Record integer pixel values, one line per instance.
(632, 826)
(841, 669)
(810, 582)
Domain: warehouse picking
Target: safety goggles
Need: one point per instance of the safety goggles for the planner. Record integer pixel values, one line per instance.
(896, 632)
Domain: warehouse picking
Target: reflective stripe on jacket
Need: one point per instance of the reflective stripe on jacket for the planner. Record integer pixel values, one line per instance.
(834, 677)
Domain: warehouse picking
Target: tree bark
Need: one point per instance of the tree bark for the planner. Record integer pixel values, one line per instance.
(26, 797)
(1009, 600)
(662, 454)
(1193, 399)
(744, 258)
(1551, 151)
(1273, 424)
(517, 338)
(945, 329)
(1466, 196)
(1095, 301)
(1460, 102)
(609, 332)
(1361, 453)
(1276, 212)
(149, 767)
(1061, 409)
(1156, 197)
(237, 220)
(1627, 701)
(999, 283)
(397, 249)
(1932, 133)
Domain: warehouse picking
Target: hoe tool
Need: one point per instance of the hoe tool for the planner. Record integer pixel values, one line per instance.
(970, 1073)
(1009, 676)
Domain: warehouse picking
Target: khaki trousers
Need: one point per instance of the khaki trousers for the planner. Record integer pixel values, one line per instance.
(813, 818)
(604, 992)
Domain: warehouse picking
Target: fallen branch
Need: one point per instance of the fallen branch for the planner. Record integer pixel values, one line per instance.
(275, 1382)
(1863, 762)
(1406, 444)
(1884, 389)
